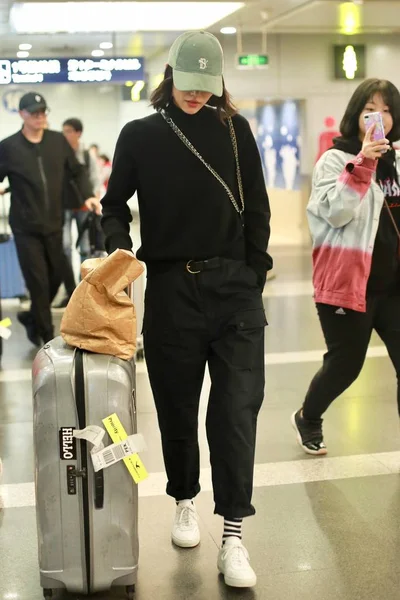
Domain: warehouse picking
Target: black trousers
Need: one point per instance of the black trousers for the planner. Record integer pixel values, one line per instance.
(41, 261)
(347, 337)
(215, 317)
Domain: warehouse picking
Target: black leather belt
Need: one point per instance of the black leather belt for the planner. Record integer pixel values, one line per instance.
(197, 266)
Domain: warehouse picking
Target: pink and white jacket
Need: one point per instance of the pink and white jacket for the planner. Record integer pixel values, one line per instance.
(343, 215)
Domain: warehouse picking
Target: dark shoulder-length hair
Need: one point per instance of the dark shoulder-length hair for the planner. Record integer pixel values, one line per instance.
(349, 127)
(162, 96)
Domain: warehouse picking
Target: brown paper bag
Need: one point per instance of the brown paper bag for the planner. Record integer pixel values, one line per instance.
(100, 316)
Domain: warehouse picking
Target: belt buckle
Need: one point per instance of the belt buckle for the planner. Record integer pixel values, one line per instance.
(188, 269)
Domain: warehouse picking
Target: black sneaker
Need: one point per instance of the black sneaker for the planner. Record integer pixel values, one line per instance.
(309, 434)
(26, 319)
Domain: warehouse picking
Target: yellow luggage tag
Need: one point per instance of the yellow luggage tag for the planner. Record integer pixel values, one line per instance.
(117, 433)
(4, 331)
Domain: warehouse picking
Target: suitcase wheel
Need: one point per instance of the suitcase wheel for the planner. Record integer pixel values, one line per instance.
(48, 594)
(130, 592)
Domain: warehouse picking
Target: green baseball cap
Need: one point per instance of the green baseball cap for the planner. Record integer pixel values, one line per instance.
(197, 62)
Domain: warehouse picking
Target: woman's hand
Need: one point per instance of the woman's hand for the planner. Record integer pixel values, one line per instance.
(374, 148)
(94, 205)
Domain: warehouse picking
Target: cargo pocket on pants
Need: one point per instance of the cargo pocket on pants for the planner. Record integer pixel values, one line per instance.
(247, 339)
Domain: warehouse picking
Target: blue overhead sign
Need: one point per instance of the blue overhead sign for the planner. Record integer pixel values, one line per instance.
(71, 70)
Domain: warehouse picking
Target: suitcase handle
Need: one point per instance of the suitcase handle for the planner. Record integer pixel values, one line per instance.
(80, 405)
(99, 490)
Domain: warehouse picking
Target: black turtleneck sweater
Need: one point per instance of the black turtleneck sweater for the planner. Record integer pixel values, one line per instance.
(185, 213)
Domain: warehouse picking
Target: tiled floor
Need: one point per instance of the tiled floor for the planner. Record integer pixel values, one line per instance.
(325, 529)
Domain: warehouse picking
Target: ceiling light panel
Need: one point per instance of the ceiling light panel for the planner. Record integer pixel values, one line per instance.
(77, 17)
(228, 30)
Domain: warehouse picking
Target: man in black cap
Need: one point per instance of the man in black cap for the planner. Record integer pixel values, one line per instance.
(36, 162)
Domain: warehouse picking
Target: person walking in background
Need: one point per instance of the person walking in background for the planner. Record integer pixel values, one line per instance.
(74, 203)
(354, 218)
(105, 172)
(34, 160)
(94, 151)
(205, 229)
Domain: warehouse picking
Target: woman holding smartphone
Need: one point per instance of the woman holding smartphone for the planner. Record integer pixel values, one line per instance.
(354, 218)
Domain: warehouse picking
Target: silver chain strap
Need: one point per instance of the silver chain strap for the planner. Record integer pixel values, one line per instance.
(188, 144)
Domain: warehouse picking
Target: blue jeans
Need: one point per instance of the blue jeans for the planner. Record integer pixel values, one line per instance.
(84, 245)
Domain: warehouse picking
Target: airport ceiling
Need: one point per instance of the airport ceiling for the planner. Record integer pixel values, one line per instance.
(305, 17)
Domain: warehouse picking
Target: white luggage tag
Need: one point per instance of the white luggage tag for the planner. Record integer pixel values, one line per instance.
(104, 457)
(93, 434)
(115, 452)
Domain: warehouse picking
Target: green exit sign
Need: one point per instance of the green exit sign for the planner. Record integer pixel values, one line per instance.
(252, 61)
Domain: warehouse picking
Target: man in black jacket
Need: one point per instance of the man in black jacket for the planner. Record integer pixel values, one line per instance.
(36, 161)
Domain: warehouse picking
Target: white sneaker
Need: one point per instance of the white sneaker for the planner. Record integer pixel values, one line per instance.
(185, 529)
(234, 564)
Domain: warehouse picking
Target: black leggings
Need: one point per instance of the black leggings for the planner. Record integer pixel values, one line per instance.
(347, 337)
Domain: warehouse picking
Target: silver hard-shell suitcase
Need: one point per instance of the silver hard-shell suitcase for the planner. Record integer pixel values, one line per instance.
(87, 522)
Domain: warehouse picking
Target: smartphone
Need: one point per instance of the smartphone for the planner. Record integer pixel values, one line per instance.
(375, 118)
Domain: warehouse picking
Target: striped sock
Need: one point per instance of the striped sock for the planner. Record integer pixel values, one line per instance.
(232, 528)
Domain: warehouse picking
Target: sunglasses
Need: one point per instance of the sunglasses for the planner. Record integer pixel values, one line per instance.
(39, 113)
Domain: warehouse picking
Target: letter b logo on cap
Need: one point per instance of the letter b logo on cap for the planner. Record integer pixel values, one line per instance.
(203, 62)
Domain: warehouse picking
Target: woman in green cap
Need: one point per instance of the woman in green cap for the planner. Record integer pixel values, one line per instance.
(204, 216)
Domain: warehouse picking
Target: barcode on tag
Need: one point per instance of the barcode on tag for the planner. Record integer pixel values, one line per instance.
(108, 457)
(113, 455)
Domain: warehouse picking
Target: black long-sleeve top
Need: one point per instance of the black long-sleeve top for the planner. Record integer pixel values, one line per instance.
(37, 172)
(185, 213)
